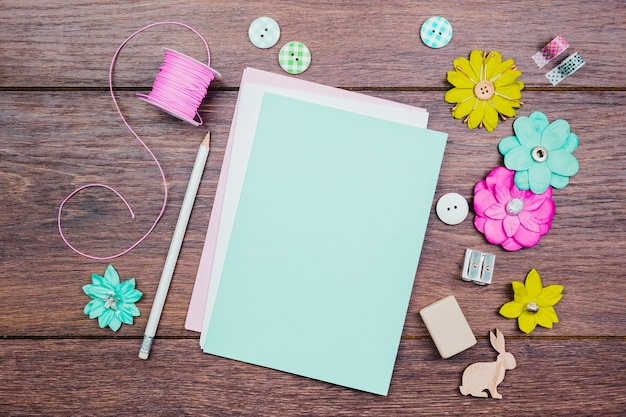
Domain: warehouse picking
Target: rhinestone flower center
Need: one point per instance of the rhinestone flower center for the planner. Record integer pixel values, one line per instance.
(532, 307)
(515, 206)
(111, 301)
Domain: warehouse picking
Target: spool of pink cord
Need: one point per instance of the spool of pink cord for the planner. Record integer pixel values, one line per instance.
(179, 88)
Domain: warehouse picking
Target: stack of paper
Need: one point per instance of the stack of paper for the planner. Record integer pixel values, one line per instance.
(316, 231)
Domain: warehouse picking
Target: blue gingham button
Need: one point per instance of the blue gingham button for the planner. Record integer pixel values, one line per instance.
(436, 32)
(264, 32)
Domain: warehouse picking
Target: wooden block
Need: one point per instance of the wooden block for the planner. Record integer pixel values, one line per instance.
(448, 327)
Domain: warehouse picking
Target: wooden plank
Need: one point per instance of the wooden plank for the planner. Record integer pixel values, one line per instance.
(70, 44)
(52, 143)
(104, 377)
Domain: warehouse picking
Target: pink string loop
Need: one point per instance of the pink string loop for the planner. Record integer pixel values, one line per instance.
(179, 92)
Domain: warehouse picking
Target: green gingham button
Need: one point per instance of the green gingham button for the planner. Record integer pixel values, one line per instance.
(264, 32)
(436, 32)
(294, 57)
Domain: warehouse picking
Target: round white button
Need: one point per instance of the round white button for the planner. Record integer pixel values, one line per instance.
(452, 208)
(264, 32)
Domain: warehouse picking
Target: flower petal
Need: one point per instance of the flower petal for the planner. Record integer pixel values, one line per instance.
(491, 117)
(511, 225)
(527, 238)
(550, 295)
(512, 91)
(539, 177)
(499, 175)
(511, 310)
(463, 66)
(519, 293)
(96, 291)
(115, 323)
(506, 144)
(543, 318)
(571, 143)
(111, 275)
(503, 105)
(97, 279)
(522, 180)
(493, 61)
(476, 116)
(502, 193)
(105, 318)
(533, 283)
(483, 199)
(480, 186)
(501, 67)
(528, 221)
(126, 286)
(496, 211)
(545, 213)
(464, 107)
(457, 95)
(551, 313)
(479, 223)
(526, 322)
(132, 296)
(477, 62)
(97, 309)
(459, 80)
(559, 181)
(540, 120)
(507, 78)
(562, 163)
(511, 245)
(494, 232)
(554, 136)
(528, 133)
(518, 159)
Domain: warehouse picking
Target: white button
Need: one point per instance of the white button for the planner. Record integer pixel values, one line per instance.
(264, 32)
(452, 208)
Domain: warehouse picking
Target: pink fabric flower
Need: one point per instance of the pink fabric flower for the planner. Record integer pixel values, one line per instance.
(509, 216)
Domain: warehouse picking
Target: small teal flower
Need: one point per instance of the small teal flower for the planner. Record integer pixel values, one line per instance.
(113, 302)
(540, 153)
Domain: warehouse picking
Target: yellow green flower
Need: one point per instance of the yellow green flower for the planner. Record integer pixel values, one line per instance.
(533, 304)
(484, 87)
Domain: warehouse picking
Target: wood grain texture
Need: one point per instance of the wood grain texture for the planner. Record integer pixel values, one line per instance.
(356, 43)
(59, 130)
(104, 377)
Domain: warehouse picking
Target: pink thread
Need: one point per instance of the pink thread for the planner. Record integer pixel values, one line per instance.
(192, 79)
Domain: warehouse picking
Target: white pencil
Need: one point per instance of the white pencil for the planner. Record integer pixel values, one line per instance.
(177, 241)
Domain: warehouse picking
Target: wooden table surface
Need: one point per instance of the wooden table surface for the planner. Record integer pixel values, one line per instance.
(59, 130)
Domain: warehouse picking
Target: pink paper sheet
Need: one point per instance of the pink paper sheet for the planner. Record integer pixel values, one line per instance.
(197, 304)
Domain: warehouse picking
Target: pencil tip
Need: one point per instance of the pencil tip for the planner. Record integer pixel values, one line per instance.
(207, 139)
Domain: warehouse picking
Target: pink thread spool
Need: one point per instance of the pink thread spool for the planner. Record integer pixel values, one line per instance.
(180, 86)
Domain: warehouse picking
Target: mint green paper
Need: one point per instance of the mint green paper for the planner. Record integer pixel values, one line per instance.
(325, 244)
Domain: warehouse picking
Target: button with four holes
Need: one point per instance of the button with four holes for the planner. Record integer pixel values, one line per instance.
(264, 32)
(452, 208)
(436, 32)
(294, 57)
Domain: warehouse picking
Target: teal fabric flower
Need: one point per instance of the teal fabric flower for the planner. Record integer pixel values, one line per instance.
(113, 302)
(540, 153)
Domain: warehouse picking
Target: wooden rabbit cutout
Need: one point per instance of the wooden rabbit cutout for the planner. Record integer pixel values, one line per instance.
(480, 377)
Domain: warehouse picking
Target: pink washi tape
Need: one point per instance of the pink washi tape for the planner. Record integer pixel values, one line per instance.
(552, 49)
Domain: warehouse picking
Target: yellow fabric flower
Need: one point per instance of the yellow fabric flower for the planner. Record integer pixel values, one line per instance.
(533, 304)
(484, 87)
